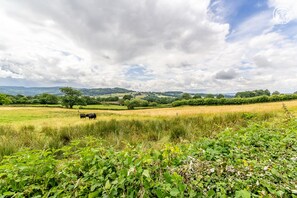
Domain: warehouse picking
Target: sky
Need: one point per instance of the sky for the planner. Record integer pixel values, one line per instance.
(213, 46)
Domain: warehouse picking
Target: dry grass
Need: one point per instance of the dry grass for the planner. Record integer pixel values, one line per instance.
(194, 110)
(57, 117)
(40, 127)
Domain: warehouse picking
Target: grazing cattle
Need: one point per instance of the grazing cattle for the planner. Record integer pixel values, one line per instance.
(91, 115)
(82, 115)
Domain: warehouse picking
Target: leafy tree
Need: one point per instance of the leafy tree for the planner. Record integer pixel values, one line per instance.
(4, 99)
(90, 100)
(131, 104)
(71, 97)
(22, 99)
(151, 98)
(166, 100)
(186, 96)
(197, 96)
(109, 99)
(249, 94)
(46, 98)
(127, 97)
(276, 93)
(219, 96)
(209, 96)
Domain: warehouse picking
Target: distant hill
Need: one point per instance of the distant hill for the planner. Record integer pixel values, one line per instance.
(31, 91)
(104, 91)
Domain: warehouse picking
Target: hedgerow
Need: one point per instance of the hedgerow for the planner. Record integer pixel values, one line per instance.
(259, 160)
(235, 101)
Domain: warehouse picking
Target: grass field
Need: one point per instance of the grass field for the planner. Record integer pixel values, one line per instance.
(219, 141)
(56, 117)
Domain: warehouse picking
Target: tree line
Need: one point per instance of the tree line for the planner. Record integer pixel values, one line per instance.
(235, 101)
(73, 97)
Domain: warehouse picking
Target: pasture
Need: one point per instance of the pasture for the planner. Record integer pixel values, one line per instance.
(53, 116)
(219, 141)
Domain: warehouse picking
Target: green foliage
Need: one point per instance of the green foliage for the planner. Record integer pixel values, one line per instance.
(46, 98)
(197, 96)
(127, 97)
(257, 161)
(235, 101)
(249, 94)
(131, 104)
(71, 97)
(159, 100)
(177, 132)
(219, 96)
(186, 96)
(90, 100)
(119, 132)
(209, 96)
(109, 99)
(4, 99)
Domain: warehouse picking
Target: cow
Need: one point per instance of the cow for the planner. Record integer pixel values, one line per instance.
(82, 115)
(91, 115)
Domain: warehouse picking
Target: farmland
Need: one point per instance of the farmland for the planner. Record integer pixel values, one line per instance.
(236, 150)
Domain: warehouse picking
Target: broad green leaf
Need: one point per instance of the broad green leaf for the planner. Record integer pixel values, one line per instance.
(242, 194)
(93, 194)
(211, 193)
(107, 185)
(146, 173)
(174, 192)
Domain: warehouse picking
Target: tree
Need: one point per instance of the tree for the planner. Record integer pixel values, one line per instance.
(71, 97)
(46, 98)
(197, 96)
(186, 96)
(127, 97)
(219, 96)
(276, 93)
(131, 104)
(4, 99)
(209, 96)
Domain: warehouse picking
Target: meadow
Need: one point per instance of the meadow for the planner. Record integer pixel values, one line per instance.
(214, 151)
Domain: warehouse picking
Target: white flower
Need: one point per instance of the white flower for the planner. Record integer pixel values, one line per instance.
(257, 183)
(265, 168)
(294, 158)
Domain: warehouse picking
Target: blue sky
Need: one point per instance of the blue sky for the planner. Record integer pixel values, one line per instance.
(150, 45)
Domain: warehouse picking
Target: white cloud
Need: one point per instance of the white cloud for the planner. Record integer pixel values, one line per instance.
(178, 44)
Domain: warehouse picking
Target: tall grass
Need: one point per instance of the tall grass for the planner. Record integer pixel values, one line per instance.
(122, 132)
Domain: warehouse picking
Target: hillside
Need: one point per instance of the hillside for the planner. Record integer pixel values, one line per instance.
(31, 91)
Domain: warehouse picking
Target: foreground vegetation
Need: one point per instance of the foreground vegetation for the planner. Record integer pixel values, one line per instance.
(259, 161)
(221, 151)
(120, 132)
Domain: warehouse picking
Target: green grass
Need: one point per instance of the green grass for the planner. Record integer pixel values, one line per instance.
(151, 131)
(190, 152)
(255, 161)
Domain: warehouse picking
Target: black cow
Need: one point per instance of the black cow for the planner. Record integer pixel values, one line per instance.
(91, 115)
(82, 115)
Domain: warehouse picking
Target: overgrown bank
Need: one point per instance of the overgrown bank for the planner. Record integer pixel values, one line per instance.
(259, 160)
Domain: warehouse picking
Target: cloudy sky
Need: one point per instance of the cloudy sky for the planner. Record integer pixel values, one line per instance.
(150, 45)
